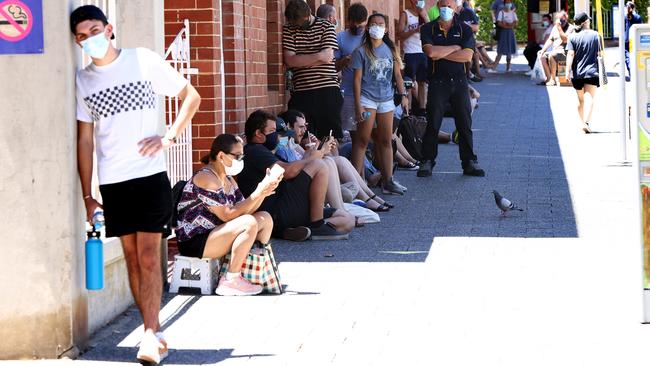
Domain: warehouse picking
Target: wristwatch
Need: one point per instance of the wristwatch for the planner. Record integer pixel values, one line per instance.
(172, 140)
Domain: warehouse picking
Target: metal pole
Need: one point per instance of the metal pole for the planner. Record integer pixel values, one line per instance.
(622, 69)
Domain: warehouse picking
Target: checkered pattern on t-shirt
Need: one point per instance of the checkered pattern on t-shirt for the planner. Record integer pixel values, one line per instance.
(121, 98)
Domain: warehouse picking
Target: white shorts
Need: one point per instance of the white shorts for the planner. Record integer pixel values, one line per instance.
(381, 107)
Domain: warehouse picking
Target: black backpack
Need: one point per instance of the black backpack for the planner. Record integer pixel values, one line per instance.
(411, 129)
(177, 192)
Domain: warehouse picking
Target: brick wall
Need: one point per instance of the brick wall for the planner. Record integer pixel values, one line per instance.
(252, 57)
(205, 55)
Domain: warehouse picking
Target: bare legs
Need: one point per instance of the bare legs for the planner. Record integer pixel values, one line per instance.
(142, 255)
(382, 136)
(333, 195)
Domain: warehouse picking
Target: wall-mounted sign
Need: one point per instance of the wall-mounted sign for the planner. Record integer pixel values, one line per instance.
(21, 26)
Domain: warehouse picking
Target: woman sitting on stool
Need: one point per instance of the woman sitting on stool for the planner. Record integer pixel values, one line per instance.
(215, 219)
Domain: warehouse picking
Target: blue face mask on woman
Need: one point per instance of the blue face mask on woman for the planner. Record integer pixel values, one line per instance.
(446, 13)
(509, 6)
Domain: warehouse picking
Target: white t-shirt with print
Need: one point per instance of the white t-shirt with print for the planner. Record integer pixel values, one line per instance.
(121, 99)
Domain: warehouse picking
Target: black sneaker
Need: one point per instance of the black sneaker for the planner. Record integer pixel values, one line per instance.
(476, 79)
(472, 168)
(327, 231)
(298, 233)
(425, 168)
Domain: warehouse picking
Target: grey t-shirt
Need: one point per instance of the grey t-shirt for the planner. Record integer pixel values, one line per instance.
(377, 80)
(585, 44)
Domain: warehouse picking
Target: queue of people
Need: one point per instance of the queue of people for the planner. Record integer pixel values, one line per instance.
(294, 176)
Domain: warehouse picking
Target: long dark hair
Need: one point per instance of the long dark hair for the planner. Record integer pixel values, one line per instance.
(221, 143)
(367, 42)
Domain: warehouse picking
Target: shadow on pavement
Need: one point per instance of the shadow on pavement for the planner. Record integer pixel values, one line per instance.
(517, 145)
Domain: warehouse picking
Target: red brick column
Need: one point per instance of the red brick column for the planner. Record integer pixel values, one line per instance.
(205, 54)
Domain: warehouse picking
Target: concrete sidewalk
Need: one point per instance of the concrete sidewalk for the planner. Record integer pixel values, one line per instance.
(443, 279)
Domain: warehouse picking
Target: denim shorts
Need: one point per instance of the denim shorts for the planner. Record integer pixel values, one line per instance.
(381, 107)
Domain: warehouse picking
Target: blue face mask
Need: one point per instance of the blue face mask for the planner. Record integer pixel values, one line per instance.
(446, 13)
(96, 46)
(420, 4)
(509, 6)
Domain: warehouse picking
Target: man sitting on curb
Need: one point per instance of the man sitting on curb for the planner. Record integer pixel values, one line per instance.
(297, 205)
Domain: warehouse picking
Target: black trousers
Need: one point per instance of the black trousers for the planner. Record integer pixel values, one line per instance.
(530, 52)
(454, 91)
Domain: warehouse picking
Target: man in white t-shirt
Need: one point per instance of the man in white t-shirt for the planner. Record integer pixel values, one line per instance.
(415, 61)
(117, 108)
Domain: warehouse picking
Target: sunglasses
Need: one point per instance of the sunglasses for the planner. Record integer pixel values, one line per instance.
(237, 157)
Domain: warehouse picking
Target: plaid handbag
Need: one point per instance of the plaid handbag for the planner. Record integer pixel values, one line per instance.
(259, 268)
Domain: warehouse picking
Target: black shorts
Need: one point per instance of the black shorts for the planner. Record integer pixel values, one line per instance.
(579, 84)
(322, 107)
(137, 205)
(415, 66)
(194, 246)
(291, 205)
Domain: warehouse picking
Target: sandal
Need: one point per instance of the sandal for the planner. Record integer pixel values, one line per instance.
(357, 223)
(382, 207)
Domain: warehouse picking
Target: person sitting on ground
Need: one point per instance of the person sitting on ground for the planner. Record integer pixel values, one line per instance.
(339, 165)
(297, 208)
(557, 39)
(215, 219)
(289, 151)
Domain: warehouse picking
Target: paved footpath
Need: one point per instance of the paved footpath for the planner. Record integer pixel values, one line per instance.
(443, 280)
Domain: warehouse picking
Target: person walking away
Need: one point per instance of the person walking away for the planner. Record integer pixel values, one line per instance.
(348, 41)
(308, 45)
(448, 43)
(217, 220)
(631, 19)
(375, 65)
(408, 32)
(582, 66)
(507, 22)
(117, 109)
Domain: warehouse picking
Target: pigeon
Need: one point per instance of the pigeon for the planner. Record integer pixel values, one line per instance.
(504, 204)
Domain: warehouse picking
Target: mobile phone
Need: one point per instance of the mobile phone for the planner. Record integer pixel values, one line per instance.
(276, 171)
(323, 141)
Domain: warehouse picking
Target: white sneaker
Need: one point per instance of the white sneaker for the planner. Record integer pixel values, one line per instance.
(492, 71)
(150, 348)
(164, 351)
(529, 72)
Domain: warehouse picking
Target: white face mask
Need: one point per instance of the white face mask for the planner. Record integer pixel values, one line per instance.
(459, 3)
(377, 32)
(236, 166)
(420, 4)
(96, 46)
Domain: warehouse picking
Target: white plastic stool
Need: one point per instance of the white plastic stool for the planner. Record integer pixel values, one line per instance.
(194, 273)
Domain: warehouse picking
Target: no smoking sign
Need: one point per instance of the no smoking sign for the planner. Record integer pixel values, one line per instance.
(21, 26)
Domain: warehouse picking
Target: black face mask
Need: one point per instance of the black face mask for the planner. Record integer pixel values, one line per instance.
(272, 141)
(357, 30)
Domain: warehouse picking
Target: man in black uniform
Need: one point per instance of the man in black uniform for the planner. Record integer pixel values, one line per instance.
(448, 43)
